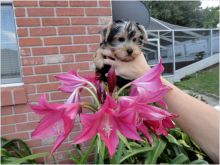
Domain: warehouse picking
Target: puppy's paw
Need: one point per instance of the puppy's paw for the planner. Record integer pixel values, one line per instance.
(100, 55)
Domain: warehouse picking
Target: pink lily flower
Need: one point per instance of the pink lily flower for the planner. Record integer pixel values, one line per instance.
(150, 86)
(151, 80)
(148, 116)
(58, 120)
(71, 81)
(107, 122)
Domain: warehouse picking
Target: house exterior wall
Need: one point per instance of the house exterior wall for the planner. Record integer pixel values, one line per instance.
(53, 37)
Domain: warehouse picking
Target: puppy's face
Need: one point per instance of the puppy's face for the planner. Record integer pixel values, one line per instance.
(125, 39)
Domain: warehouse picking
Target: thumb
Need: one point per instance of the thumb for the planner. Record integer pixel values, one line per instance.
(109, 62)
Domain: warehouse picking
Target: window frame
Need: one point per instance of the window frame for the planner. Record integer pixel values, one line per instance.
(13, 81)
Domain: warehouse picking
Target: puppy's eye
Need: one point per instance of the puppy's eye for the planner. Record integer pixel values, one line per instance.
(141, 37)
(121, 39)
(134, 39)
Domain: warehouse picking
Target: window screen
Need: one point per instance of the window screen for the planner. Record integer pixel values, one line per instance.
(10, 67)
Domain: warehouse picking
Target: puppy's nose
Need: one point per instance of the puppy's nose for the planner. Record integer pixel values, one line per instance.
(130, 51)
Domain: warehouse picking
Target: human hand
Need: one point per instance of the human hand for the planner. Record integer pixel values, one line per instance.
(129, 70)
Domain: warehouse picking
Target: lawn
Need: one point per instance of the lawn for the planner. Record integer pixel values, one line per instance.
(205, 81)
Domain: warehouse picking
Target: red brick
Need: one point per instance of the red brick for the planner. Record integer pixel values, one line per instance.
(30, 88)
(42, 149)
(35, 79)
(42, 31)
(45, 50)
(33, 97)
(5, 120)
(5, 129)
(6, 97)
(27, 70)
(22, 135)
(57, 40)
(84, 21)
(34, 117)
(88, 99)
(76, 66)
(72, 30)
(7, 110)
(73, 49)
(85, 93)
(26, 127)
(68, 58)
(70, 11)
(25, 51)
(83, 3)
(67, 161)
(19, 95)
(94, 29)
(18, 3)
(36, 12)
(84, 57)
(47, 87)
(20, 12)
(30, 42)
(52, 78)
(86, 73)
(22, 32)
(34, 143)
(55, 21)
(105, 3)
(47, 69)
(86, 39)
(53, 3)
(98, 12)
(59, 95)
(27, 61)
(93, 47)
(28, 21)
(19, 109)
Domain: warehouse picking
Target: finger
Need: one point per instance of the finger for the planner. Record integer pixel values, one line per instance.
(107, 53)
(109, 62)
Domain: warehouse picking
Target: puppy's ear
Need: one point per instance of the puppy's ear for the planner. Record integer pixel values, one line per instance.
(143, 31)
(105, 32)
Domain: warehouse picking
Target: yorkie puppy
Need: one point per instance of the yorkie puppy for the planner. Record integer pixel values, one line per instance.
(124, 40)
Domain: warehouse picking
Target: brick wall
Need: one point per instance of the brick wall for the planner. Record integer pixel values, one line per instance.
(53, 37)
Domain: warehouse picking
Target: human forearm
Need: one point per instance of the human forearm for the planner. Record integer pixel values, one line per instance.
(196, 118)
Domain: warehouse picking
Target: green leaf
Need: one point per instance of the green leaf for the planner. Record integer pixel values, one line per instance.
(78, 149)
(137, 151)
(180, 159)
(117, 157)
(172, 139)
(74, 159)
(88, 151)
(199, 162)
(8, 160)
(124, 140)
(30, 157)
(153, 155)
(5, 153)
(182, 142)
(134, 145)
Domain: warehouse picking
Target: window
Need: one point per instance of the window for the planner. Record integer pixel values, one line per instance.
(10, 66)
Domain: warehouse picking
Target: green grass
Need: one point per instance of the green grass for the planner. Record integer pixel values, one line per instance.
(206, 81)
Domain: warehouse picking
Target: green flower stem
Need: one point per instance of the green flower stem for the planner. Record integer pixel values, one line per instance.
(88, 151)
(91, 85)
(121, 89)
(124, 140)
(89, 106)
(94, 96)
